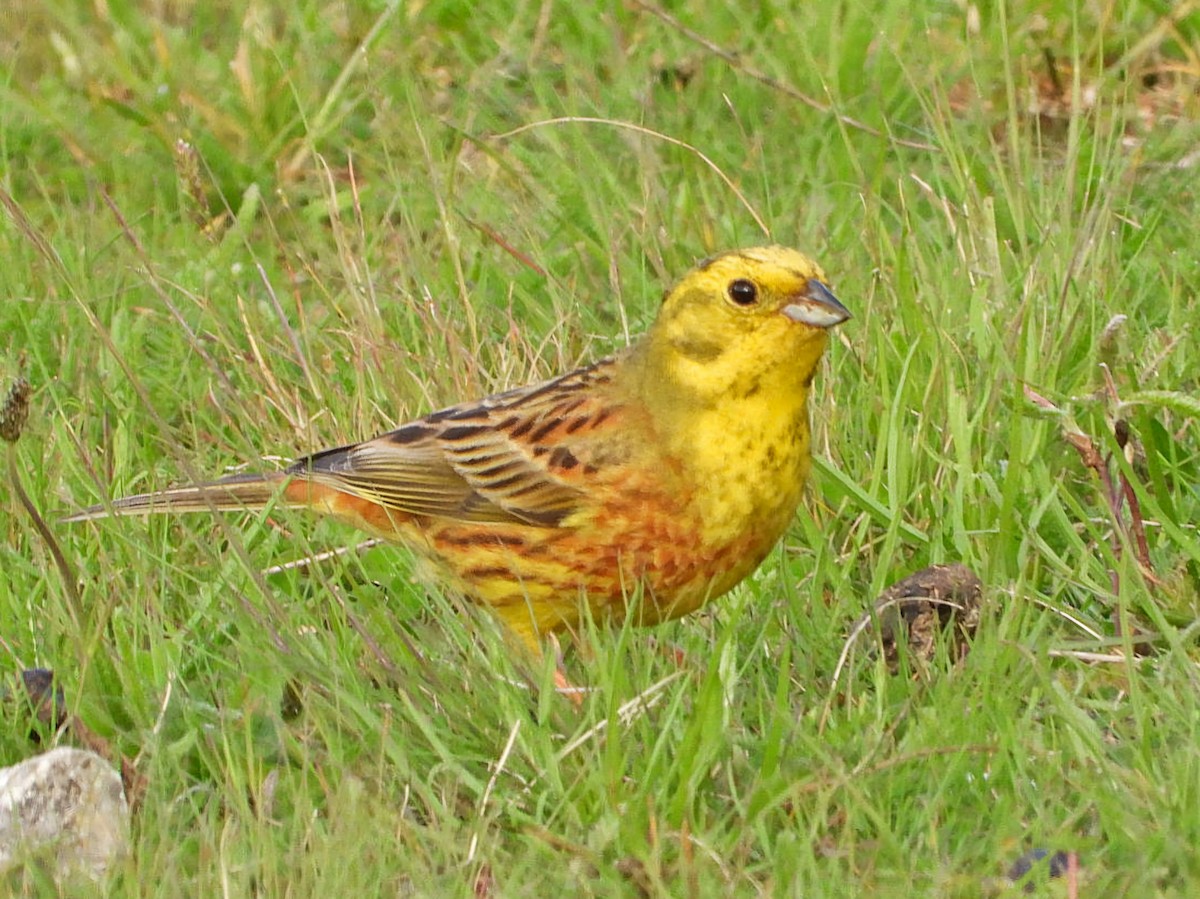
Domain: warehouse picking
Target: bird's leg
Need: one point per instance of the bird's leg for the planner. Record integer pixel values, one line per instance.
(562, 683)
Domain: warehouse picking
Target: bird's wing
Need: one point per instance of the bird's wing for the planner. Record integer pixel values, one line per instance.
(517, 457)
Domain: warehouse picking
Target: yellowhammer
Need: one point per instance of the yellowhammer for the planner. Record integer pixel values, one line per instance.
(675, 465)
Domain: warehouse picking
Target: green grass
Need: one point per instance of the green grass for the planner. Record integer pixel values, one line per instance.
(344, 730)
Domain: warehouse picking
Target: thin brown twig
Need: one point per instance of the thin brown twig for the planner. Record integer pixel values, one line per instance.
(14, 412)
(735, 61)
(498, 239)
(1091, 458)
(1114, 495)
(60, 560)
(1137, 525)
(33, 235)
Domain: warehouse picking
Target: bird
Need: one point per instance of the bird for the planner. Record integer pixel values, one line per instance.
(643, 485)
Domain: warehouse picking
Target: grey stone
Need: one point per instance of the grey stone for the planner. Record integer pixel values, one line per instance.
(67, 802)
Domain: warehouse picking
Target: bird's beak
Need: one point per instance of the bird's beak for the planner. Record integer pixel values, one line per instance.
(816, 306)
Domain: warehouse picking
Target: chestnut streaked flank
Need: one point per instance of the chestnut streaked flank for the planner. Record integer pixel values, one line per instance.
(675, 465)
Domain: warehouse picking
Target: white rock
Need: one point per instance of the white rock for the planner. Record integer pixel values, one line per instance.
(67, 799)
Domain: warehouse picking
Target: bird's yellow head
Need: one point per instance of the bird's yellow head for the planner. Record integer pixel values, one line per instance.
(743, 322)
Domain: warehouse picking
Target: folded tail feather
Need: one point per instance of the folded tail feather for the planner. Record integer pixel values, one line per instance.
(236, 492)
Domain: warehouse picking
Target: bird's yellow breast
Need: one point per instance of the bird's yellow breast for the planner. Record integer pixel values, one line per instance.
(749, 462)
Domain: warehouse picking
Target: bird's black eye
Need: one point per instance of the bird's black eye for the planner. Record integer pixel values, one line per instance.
(743, 292)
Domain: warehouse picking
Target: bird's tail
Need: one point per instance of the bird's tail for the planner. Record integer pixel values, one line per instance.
(240, 492)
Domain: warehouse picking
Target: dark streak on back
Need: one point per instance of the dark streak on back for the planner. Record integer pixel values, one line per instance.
(410, 434)
(463, 432)
(543, 429)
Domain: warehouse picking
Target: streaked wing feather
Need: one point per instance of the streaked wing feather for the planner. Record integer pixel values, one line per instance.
(504, 474)
(414, 479)
(473, 462)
